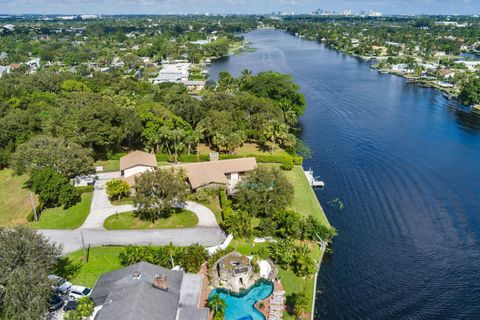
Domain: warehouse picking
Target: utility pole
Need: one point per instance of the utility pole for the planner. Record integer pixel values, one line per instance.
(34, 209)
(85, 257)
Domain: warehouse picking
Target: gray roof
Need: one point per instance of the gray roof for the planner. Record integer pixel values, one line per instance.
(126, 298)
(189, 297)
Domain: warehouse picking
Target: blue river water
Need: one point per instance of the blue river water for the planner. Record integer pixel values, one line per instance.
(405, 162)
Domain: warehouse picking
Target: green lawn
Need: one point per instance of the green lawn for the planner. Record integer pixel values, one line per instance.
(247, 148)
(101, 260)
(127, 221)
(71, 218)
(14, 199)
(304, 201)
(122, 201)
(109, 165)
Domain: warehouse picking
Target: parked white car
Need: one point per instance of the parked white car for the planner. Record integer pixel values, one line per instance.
(77, 292)
(59, 284)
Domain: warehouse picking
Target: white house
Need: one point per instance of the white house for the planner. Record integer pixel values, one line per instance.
(135, 163)
(176, 73)
(4, 70)
(401, 67)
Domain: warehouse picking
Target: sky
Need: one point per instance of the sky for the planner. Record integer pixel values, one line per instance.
(236, 6)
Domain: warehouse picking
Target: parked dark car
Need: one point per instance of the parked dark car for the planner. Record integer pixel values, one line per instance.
(70, 306)
(54, 302)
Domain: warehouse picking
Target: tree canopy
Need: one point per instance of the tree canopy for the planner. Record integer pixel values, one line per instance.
(26, 259)
(44, 152)
(156, 192)
(264, 192)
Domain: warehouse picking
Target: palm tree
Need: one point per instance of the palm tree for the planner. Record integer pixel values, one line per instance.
(245, 76)
(274, 130)
(217, 305)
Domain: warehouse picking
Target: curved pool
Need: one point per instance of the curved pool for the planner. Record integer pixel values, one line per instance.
(242, 305)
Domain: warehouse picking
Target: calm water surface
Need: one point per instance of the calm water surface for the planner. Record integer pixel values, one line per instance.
(406, 164)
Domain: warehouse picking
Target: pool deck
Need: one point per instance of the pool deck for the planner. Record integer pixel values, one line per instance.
(277, 287)
(203, 301)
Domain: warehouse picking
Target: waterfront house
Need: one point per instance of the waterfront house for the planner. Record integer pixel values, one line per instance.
(447, 73)
(402, 68)
(219, 173)
(173, 72)
(135, 163)
(148, 292)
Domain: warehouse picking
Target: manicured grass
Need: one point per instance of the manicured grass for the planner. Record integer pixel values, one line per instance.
(214, 205)
(294, 284)
(59, 218)
(101, 260)
(109, 165)
(14, 199)
(122, 201)
(247, 247)
(304, 201)
(127, 221)
(247, 148)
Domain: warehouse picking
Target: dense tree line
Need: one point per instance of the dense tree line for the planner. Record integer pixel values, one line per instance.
(93, 118)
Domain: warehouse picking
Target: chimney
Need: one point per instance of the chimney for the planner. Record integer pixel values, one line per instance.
(136, 275)
(160, 282)
(214, 156)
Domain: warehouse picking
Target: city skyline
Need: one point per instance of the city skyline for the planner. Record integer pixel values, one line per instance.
(236, 6)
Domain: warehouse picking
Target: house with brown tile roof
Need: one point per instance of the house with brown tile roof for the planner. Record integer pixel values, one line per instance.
(136, 162)
(216, 173)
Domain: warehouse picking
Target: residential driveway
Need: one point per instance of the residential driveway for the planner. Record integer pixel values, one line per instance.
(101, 209)
(72, 239)
(207, 232)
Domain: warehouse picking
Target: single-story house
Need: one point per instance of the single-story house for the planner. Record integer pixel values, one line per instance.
(216, 173)
(136, 162)
(148, 292)
(447, 73)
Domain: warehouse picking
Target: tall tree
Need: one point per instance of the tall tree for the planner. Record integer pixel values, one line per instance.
(44, 152)
(52, 188)
(26, 259)
(275, 130)
(157, 192)
(263, 192)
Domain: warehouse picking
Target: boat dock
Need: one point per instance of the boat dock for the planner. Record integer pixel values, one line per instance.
(312, 180)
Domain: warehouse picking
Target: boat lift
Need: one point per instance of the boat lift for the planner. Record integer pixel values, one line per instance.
(312, 180)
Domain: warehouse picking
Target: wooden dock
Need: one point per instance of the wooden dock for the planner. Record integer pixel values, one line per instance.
(312, 180)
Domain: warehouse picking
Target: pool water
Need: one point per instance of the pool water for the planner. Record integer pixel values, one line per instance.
(241, 306)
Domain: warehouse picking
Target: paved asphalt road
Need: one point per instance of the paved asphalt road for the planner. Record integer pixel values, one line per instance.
(72, 239)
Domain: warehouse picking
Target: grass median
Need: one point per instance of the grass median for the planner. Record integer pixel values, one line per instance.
(127, 221)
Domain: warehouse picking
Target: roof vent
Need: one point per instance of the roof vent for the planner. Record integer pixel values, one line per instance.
(136, 275)
(160, 282)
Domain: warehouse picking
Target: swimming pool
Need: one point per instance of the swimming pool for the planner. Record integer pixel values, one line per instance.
(241, 305)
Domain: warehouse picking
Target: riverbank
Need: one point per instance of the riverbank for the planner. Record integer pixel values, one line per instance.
(391, 153)
(449, 90)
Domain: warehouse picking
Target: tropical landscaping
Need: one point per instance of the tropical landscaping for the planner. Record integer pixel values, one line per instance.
(65, 135)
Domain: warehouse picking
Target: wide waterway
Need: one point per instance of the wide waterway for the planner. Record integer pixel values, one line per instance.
(405, 162)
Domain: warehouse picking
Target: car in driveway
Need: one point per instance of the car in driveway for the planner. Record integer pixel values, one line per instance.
(54, 302)
(59, 284)
(77, 292)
